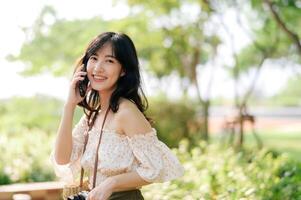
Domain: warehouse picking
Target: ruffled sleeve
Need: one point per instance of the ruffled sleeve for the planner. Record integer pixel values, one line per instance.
(68, 172)
(156, 161)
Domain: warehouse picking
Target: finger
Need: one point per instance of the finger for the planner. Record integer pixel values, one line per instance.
(77, 79)
(79, 68)
(80, 74)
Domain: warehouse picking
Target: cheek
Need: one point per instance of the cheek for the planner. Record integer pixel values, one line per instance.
(89, 67)
(118, 70)
(117, 75)
(89, 71)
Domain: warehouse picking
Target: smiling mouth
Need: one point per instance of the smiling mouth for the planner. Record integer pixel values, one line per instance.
(99, 78)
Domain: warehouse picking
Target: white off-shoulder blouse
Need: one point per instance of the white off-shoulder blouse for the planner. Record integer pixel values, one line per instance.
(118, 154)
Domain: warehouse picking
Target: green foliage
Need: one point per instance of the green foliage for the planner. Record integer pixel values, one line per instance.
(269, 40)
(184, 43)
(175, 120)
(288, 10)
(212, 172)
(167, 47)
(271, 34)
(28, 127)
(24, 156)
(55, 47)
(38, 112)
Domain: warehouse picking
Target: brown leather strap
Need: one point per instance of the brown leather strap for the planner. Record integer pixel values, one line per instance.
(96, 156)
(85, 144)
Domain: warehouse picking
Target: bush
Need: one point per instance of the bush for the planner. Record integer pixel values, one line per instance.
(27, 132)
(38, 112)
(24, 157)
(174, 120)
(212, 172)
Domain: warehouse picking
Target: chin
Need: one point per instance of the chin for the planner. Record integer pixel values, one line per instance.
(100, 88)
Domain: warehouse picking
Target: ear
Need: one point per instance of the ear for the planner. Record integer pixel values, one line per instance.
(122, 73)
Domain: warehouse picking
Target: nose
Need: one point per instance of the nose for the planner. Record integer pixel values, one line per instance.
(98, 67)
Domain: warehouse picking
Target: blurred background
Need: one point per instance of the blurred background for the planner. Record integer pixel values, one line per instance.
(223, 80)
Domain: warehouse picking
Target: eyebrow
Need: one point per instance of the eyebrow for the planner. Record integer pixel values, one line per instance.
(106, 56)
(110, 56)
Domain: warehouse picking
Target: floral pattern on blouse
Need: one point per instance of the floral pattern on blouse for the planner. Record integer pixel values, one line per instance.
(118, 154)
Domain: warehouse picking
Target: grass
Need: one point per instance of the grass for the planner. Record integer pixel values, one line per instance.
(282, 142)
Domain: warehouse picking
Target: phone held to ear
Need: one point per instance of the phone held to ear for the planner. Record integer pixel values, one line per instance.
(83, 84)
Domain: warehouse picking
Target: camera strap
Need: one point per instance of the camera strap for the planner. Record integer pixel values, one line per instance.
(96, 155)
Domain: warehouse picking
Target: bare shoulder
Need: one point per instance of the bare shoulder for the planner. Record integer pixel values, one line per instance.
(131, 119)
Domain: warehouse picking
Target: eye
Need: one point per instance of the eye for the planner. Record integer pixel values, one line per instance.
(110, 60)
(93, 58)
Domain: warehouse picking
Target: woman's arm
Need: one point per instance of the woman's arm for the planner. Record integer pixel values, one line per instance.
(121, 182)
(63, 143)
(126, 181)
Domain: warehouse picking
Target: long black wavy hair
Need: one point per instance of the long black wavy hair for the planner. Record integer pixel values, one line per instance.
(128, 85)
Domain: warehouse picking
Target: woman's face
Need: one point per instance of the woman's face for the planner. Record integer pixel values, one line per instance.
(103, 69)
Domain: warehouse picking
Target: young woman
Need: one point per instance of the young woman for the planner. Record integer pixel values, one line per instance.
(130, 154)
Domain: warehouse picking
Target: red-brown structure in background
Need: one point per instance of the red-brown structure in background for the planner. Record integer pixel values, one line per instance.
(234, 126)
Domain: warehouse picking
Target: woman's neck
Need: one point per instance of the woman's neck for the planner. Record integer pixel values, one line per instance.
(105, 99)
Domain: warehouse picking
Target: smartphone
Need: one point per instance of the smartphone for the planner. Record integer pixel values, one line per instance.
(83, 84)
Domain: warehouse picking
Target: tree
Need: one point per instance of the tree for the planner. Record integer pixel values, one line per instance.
(291, 9)
(166, 43)
(187, 46)
(53, 47)
(268, 43)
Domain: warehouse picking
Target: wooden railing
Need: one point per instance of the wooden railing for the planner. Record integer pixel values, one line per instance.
(32, 191)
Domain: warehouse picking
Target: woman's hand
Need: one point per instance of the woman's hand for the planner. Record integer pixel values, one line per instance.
(102, 191)
(74, 97)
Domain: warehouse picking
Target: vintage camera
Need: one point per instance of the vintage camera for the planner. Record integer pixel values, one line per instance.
(79, 196)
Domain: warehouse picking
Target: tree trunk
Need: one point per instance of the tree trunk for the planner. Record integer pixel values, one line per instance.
(205, 132)
(241, 130)
(205, 114)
